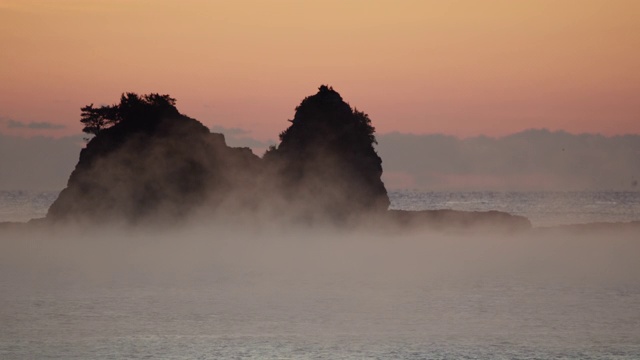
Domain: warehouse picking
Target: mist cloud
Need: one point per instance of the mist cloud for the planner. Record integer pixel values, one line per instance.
(34, 125)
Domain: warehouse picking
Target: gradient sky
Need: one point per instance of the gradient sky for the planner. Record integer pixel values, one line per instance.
(456, 67)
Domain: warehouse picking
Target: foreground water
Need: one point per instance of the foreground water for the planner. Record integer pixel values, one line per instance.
(209, 292)
(490, 320)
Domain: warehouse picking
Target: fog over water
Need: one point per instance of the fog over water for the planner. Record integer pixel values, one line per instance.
(541, 208)
(248, 225)
(209, 291)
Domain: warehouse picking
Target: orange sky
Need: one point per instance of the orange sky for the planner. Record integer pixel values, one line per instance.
(457, 67)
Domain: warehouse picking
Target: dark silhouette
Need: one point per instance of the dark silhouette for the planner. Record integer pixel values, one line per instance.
(131, 107)
(147, 160)
(326, 162)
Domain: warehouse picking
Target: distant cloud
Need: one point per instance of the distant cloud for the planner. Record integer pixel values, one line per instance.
(529, 160)
(34, 125)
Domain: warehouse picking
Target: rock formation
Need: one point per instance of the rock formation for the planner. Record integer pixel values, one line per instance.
(148, 162)
(325, 163)
(154, 162)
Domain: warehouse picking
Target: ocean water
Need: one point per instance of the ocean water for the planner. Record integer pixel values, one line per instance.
(542, 208)
(216, 293)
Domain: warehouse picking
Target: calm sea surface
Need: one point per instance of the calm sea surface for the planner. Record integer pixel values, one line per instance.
(209, 293)
(542, 208)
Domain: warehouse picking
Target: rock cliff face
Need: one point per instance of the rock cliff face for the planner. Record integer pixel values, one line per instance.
(326, 163)
(155, 164)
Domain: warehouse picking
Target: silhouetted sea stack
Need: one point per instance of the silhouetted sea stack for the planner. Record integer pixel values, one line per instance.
(154, 163)
(326, 164)
(148, 163)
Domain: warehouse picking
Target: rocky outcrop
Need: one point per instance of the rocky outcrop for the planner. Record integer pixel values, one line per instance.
(594, 228)
(447, 220)
(148, 162)
(155, 164)
(325, 164)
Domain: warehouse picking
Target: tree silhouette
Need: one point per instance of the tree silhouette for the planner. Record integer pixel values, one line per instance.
(131, 106)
